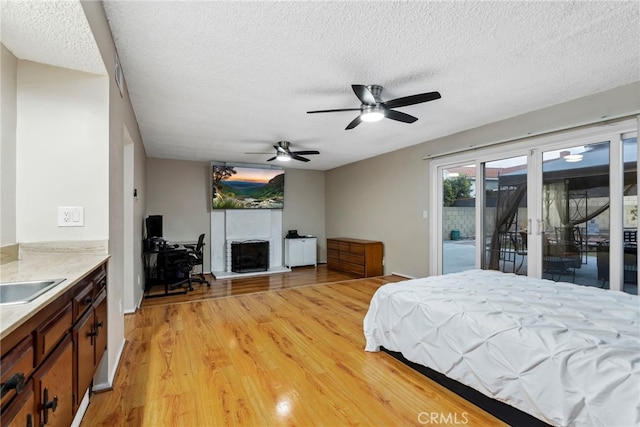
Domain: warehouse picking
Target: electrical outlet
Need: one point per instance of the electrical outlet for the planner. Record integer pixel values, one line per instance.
(70, 216)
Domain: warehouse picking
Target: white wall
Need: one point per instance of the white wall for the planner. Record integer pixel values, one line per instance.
(304, 206)
(383, 198)
(178, 190)
(62, 144)
(121, 116)
(8, 94)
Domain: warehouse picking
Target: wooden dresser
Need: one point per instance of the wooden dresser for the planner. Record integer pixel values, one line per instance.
(359, 257)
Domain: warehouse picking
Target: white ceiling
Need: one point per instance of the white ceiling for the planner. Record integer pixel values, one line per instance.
(51, 32)
(213, 80)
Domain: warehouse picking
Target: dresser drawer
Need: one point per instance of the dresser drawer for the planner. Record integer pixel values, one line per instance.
(356, 248)
(332, 245)
(354, 268)
(343, 247)
(355, 259)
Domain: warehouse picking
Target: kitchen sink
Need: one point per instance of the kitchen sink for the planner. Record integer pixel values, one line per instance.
(24, 292)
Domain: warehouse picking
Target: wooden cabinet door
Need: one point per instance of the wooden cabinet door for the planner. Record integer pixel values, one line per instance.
(83, 337)
(100, 326)
(54, 386)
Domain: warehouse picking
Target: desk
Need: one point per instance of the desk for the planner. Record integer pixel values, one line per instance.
(155, 268)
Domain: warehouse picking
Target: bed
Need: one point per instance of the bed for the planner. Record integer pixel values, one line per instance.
(568, 355)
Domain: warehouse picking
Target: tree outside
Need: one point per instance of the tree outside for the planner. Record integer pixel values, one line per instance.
(455, 188)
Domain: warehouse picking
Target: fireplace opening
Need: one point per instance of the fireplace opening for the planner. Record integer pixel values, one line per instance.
(249, 256)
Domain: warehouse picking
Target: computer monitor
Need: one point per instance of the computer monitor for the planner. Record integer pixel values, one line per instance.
(154, 226)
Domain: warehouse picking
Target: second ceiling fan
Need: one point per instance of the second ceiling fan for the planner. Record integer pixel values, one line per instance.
(373, 108)
(284, 153)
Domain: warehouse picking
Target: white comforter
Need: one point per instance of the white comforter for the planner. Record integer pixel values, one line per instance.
(566, 354)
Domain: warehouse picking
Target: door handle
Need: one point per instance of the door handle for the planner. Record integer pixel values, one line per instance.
(53, 405)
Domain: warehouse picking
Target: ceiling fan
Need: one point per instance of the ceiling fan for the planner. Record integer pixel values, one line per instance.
(284, 153)
(373, 108)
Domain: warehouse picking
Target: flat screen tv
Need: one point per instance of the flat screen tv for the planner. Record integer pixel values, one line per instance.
(247, 187)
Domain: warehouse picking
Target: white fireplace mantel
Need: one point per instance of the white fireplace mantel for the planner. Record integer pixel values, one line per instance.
(240, 225)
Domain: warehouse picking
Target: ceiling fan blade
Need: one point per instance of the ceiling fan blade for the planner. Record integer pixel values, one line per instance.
(364, 94)
(302, 159)
(413, 99)
(271, 159)
(257, 153)
(333, 111)
(401, 117)
(279, 148)
(305, 152)
(354, 123)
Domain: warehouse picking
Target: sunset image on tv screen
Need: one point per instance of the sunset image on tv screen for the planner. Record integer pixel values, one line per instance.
(247, 188)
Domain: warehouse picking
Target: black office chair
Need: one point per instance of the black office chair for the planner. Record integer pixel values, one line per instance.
(174, 268)
(197, 253)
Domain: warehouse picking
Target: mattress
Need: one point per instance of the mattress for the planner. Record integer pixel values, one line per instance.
(566, 354)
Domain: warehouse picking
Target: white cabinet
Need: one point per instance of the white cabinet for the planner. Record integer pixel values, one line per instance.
(300, 251)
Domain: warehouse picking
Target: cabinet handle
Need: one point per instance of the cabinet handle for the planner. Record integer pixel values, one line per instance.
(92, 333)
(53, 405)
(15, 381)
(29, 420)
(87, 301)
(99, 324)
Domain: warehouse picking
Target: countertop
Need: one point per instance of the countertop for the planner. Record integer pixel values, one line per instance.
(71, 266)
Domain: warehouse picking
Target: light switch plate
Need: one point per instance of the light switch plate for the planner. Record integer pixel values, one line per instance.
(70, 216)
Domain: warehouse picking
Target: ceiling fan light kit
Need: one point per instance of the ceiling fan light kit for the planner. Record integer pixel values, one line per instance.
(371, 114)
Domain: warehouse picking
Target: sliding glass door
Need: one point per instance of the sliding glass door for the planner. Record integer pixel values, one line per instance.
(562, 207)
(505, 215)
(575, 213)
(458, 224)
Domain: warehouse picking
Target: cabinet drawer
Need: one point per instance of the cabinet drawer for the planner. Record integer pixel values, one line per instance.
(343, 247)
(82, 300)
(50, 333)
(20, 412)
(333, 254)
(17, 365)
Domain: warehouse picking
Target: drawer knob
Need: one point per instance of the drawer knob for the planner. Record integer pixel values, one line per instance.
(15, 382)
(87, 301)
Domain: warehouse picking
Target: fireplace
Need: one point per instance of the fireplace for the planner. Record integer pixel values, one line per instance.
(249, 256)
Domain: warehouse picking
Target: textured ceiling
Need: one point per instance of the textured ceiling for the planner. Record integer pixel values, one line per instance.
(51, 32)
(211, 80)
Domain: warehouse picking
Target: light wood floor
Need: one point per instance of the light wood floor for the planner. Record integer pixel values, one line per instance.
(290, 356)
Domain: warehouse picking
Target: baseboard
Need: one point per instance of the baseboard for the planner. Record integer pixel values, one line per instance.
(84, 405)
(406, 276)
(97, 388)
